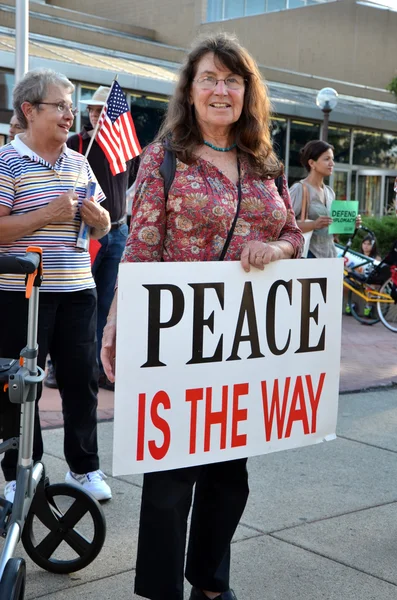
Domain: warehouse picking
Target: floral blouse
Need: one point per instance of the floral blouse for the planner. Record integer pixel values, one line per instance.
(194, 223)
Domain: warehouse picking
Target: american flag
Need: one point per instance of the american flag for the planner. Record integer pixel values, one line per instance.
(116, 135)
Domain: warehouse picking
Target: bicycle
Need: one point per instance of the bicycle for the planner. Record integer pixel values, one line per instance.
(377, 285)
(62, 527)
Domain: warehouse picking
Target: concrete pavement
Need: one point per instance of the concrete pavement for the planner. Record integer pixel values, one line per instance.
(321, 521)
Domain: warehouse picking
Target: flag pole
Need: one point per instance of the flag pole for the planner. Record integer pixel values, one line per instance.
(96, 129)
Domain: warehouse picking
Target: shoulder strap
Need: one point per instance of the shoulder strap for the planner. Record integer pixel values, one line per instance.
(279, 184)
(167, 170)
(231, 230)
(305, 202)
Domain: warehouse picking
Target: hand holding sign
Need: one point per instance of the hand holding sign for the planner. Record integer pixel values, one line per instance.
(344, 215)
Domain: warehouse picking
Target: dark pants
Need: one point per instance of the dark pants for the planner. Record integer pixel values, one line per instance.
(66, 330)
(104, 271)
(220, 497)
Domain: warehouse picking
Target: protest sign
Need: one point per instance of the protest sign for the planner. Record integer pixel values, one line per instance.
(344, 214)
(214, 364)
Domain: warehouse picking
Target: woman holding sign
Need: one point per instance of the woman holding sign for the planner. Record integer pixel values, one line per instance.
(312, 199)
(316, 198)
(218, 201)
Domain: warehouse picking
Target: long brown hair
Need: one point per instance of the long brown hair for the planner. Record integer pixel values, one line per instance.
(251, 132)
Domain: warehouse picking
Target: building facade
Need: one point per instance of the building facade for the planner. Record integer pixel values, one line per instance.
(301, 46)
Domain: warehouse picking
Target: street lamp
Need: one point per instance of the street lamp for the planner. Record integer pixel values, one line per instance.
(327, 99)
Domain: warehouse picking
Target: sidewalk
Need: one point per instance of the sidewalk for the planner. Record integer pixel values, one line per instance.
(320, 523)
(369, 360)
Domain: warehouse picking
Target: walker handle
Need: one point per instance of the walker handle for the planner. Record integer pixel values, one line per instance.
(19, 265)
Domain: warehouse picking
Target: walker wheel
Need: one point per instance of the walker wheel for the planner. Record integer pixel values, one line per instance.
(65, 531)
(12, 584)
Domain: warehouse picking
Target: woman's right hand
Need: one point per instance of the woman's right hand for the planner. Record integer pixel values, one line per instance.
(322, 222)
(108, 351)
(63, 208)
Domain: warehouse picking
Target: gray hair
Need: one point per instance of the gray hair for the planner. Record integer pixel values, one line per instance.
(33, 88)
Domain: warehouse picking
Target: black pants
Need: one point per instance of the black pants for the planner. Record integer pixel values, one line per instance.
(220, 497)
(66, 330)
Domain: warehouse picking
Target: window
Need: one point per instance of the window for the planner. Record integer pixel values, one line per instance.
(217, 10)
(148, 113)
(279, 135)
(7, 81)
(273, 5)
(234, 9)
(340, 140)
(214, 10)
(375, 149)
(254, 7)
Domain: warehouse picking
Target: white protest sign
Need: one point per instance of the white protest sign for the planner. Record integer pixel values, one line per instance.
(214, 364)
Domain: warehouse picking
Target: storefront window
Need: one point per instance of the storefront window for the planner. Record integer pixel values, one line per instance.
(148, 114)
(279, 135)
(301, 133)
(375, 149)
(7, 81)
(340, 185)
(340, 140)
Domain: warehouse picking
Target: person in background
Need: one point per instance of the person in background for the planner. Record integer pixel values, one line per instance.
(369, 248)
(38, 208)
(15, 127)
(106, 264)
(218, 126)
(317, 157)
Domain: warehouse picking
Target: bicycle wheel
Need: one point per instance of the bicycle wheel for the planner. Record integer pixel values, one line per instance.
(12, 584)
(65, 531)
(388, 311)
(370, 319)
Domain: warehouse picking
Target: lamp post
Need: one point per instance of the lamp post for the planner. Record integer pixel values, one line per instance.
(327, 99)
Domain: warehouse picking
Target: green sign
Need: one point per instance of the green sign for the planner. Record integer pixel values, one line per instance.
(344, 214)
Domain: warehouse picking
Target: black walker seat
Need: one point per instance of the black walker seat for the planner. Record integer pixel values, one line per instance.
(36, 501)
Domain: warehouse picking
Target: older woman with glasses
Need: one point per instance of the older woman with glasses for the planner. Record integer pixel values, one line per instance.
(217, 126)
(38, 208)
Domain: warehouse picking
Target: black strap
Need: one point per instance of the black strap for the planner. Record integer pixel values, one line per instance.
(279, 184)
(167, 170)
(231, 231)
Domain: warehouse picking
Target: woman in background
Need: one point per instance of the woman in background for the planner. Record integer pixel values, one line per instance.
(318, 159)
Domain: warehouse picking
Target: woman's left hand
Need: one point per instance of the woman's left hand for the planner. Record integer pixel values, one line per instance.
(258, 254)
(358, 221)
(94, 215)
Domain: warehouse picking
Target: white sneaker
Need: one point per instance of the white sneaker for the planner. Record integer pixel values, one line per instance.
(91, 482)
(9, 490)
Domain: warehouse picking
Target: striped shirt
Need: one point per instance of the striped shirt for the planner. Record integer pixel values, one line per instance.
(27, 183)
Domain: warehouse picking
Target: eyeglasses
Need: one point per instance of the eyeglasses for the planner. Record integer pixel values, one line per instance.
(62, 107)
(208, 82)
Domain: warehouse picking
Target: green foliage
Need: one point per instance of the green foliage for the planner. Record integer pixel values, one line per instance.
(392, 86)
(385, 230)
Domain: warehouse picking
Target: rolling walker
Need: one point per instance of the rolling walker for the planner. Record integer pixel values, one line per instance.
(61, 526)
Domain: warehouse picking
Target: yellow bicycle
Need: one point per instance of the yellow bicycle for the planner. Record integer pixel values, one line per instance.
(375, 284)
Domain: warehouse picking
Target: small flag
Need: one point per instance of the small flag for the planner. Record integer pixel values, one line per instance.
(117, 136)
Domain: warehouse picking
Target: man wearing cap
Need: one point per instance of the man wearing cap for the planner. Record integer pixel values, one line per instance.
(105, 266)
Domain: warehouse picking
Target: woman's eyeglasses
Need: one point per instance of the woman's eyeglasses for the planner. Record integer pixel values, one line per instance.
(208, 82)
(61, 107)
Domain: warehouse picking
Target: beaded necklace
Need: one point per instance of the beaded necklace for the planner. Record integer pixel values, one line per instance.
(218, 148)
